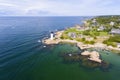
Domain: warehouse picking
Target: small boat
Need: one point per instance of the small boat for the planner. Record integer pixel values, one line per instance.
(44, 46)
(39, 40)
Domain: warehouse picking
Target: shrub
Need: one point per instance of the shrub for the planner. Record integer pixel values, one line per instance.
(83, 39)
(96, 33)
(64, 36)
(109, 43)
(91, 42)
(86, 42)
(86, 32)
(115, 38)
(95, 37)
(78, 39)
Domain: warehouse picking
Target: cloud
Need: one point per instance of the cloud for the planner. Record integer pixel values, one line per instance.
(7, 4)
(59, 7)
(37, 12)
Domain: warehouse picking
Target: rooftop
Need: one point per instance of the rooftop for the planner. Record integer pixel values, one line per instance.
(115, 31)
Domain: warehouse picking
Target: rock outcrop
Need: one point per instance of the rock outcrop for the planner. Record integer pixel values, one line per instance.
(93, 56)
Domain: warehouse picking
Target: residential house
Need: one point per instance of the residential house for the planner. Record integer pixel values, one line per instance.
(112, 23)
(72, 35)
(94, 22)
(101, 28)
(118, 45)
(115, 31)
(81, 28)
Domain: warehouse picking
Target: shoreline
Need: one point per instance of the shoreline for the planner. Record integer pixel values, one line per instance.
(81, 45)
(93, 56)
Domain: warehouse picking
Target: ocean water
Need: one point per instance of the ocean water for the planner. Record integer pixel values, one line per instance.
(22, 57)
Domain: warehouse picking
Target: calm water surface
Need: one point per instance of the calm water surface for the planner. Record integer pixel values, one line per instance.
(23, 58)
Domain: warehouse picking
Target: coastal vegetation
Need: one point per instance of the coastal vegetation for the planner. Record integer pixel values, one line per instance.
(77, 34)
(113, 40)
(86, 36)
(105, 21)
(95, 30)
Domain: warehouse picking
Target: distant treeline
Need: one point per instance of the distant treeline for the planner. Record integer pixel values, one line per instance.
(105, 21)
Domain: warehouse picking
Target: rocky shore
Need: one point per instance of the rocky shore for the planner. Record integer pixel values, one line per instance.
(84, 61)
(81, 45)
(93, 56)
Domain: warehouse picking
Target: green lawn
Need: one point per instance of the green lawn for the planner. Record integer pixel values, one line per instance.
(103, 33)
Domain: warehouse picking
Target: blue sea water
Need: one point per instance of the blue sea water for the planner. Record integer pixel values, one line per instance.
(22, 57)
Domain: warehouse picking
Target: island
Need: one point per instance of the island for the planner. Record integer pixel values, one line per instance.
(98, 32)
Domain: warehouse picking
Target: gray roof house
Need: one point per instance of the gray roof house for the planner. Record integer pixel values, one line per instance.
(94, 22)
(72, 35)
(115, 31)
(101, 28)
(118, 45)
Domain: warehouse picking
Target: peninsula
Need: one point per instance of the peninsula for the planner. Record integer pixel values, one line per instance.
(99, 32)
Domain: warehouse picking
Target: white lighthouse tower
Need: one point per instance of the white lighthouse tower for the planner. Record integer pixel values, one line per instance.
(51, 35)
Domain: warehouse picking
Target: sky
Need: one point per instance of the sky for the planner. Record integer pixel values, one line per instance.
(59, 7)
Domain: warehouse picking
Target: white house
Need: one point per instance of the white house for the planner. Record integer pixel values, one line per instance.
(112, 23)
(118, 45)
(94, 21)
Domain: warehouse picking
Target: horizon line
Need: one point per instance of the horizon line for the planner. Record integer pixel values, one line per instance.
(55, 16)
